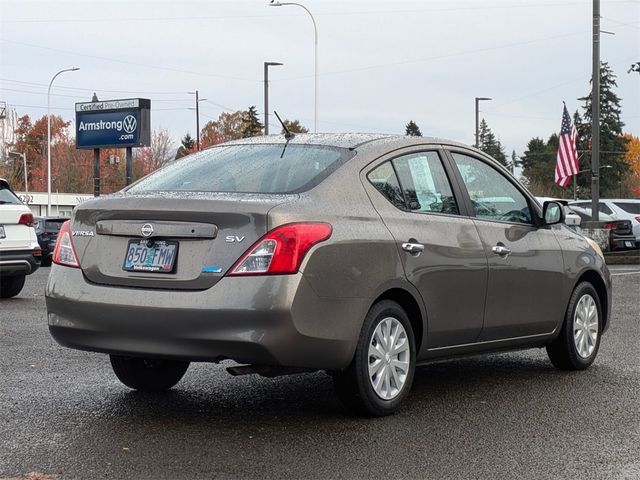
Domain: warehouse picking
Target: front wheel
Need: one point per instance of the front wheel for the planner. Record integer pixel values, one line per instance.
(11, 286)
(146, 374)
(579, 341)
(380, 376)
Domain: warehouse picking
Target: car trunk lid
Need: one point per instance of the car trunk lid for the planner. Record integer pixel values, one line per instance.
(210, 232)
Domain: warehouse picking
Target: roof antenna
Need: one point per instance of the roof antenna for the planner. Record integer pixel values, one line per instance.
(287, 134)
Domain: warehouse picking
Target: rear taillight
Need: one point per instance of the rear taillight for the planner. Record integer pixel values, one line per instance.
(26, 219)
(610, 226)
(282, 250)
(64, 253)
(638, 219)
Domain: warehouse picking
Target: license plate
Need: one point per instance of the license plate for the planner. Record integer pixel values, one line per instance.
(158, 256)
(628, 244)
(2, 234)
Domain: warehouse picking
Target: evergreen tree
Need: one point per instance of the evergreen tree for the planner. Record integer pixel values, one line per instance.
(538, 163)
(412, 129)
(612, 142)
(187, 146)
(251, 125)
(489, 144)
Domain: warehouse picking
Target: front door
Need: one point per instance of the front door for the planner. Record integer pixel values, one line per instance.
(525, 261)
(440, 248)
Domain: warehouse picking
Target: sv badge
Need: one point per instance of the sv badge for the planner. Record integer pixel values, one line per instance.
(234, 239)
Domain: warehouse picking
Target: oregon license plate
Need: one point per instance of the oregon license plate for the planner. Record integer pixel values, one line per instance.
(2, 234)
(150, 256)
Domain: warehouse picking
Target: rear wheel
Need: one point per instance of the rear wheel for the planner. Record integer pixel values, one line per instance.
(577, 345)
(147, 374)
(380, 376)
(11, 286)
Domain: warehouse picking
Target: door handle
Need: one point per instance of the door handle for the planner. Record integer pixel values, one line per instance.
(413, 247)
(501, 250)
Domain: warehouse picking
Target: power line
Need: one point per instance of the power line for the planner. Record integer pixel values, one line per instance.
(125, 62)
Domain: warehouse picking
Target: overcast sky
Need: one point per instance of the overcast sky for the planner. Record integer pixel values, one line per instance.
(381, 63)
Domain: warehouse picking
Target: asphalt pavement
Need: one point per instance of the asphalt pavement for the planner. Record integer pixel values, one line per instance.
(64, 415)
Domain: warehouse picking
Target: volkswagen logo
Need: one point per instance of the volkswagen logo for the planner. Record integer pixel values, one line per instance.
(129, 123)
(147, 230)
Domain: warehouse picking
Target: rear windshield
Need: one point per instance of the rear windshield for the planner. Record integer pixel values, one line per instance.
(629, 207)
(247, 168)
(54, 225)
(7, 196)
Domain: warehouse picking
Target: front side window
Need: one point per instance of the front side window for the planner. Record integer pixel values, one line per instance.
(248, 169)
(492, 195)
(425, 184)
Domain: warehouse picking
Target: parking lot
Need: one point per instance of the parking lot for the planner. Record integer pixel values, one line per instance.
(512, 415)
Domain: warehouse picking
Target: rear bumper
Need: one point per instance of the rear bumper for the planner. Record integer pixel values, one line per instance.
(271, 320)
(19, 262)
(622, 242)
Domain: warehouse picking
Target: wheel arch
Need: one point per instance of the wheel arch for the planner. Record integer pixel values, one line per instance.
(411, 306)
(594, 278)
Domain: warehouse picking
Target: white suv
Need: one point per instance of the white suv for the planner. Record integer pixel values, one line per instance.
(618, 209)
(20, 253)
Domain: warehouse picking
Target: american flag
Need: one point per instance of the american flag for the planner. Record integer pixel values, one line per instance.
(567, 162)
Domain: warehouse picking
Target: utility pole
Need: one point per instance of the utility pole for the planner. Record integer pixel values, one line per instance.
(595, 115)
(197, 109)
(478, 99)
(266, 94)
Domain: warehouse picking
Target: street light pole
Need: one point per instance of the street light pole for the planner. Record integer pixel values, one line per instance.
(315, 41)
(49, 136)
(266, 94)
(24, 164)
(595, 115)
(478, 99)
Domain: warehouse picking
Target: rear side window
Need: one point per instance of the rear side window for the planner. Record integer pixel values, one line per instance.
(53, 225)
(425, 184)
(629, 207)
(7, 196)
(248, 169)
(385, 180)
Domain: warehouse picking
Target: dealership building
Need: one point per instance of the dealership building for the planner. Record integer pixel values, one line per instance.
(61, 203)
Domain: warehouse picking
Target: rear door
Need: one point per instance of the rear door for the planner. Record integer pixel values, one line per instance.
(439, 245)
(526, 270)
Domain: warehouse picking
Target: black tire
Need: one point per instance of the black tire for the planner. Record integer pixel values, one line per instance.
(353, 385)
(563, 351)
(46, 262)
(148, 375)
(10, 286)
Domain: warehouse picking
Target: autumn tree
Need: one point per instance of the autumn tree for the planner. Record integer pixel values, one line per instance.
(412, 129)
(489, 144)
(632, 158)
(294, 126)
(227, 127)
(150, 159)
(251, 125)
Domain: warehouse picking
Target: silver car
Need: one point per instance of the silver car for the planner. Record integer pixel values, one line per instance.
(359, 255)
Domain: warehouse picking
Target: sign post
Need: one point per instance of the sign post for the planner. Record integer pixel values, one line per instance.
(124, 123)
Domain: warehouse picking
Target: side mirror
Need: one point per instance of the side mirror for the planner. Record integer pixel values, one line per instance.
(553, 213)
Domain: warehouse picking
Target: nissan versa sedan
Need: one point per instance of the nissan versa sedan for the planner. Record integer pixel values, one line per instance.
(359, 255)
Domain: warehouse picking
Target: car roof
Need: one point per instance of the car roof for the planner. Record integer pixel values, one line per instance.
(4, 182)
(347, 140)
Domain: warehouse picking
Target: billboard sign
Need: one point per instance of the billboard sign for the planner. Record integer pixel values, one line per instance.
(114, 123)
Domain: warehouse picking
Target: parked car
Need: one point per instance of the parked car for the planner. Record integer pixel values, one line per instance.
(618, 209)
(571, 219)
(621, 235)
(20, 253)
(359, 255)
(47, 229)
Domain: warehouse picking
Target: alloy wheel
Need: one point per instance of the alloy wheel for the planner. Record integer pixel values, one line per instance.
(389, 356)
(585, 326)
